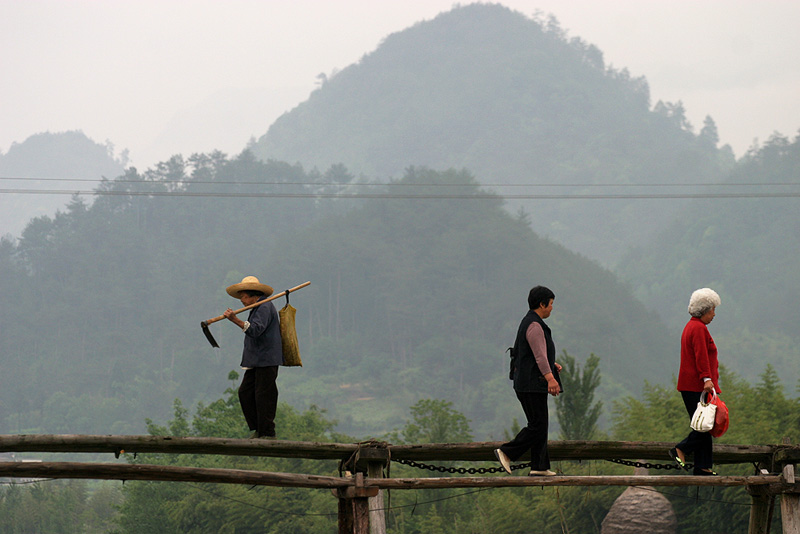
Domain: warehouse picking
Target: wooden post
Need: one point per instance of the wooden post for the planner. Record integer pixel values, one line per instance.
(790, 504)
(353, 516)
(759, 514)
(354, 507)
(367, 462)
(790, 513)
(377, 513)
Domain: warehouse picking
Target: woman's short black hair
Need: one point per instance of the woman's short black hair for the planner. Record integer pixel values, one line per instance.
(539, 295)
(252, 293)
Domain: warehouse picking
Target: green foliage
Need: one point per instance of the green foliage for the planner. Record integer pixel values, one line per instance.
(434, 421)
(576, 410)
(58, 507)
(658, 413)
(199, 508)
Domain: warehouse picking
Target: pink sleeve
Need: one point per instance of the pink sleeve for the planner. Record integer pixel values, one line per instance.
(535, 337)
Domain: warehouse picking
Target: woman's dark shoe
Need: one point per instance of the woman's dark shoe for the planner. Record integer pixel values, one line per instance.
(673, 453)
(704, 472)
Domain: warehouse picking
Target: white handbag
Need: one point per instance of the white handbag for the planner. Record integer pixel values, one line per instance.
(704, 415)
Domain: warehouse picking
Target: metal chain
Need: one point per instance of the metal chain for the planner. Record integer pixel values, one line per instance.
(484, 470)
(459, 470)
(648, 465)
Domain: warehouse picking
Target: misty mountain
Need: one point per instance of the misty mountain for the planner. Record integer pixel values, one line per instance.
(516, 101)
(410, 298)
(37, 161)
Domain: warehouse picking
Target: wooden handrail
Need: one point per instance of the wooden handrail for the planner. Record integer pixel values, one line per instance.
(461, 452)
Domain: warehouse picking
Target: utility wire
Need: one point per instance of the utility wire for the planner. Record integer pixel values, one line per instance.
(385, 509)
(405, 184)
(421, 196)
(687, 497)
(432, 501)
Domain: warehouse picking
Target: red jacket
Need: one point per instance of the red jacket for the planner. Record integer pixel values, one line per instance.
(698, 357)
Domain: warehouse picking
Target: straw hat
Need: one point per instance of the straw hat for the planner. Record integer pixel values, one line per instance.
(250, 283)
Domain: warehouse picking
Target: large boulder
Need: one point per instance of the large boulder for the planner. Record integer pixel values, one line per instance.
(640, 510)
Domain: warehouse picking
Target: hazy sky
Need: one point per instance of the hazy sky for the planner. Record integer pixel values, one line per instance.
(161, 77)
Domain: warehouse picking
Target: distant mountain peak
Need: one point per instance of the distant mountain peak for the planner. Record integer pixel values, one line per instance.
(516, 101)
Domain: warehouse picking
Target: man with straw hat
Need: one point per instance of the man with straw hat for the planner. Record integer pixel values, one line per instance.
(262, 354)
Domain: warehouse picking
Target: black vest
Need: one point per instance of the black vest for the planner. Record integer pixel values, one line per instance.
(527, 377)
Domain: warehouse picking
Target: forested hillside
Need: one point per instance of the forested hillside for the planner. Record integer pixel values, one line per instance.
(34, 164)
(517, 101)
(410, 298)
(747, 249)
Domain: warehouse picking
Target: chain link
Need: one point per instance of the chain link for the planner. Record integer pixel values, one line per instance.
(648, 465)
(459, 470)
(484, 470)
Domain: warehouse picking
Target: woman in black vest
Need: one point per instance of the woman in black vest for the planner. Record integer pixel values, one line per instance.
(535, 375)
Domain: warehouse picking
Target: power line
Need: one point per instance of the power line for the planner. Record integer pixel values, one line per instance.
(405, 184)
(443, 196)
(385, 508)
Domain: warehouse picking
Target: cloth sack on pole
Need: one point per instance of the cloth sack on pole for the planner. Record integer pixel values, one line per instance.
(291, 350)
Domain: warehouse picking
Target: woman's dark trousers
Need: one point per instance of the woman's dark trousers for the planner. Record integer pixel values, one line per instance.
(258, 395)
(533, 436)
(697, 443)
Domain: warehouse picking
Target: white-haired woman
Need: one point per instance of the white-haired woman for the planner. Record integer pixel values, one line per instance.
(699, 373)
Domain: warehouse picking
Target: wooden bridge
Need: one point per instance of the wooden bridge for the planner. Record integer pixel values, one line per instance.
(359, 490)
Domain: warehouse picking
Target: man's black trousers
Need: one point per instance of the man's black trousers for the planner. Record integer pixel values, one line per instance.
(258, 395)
